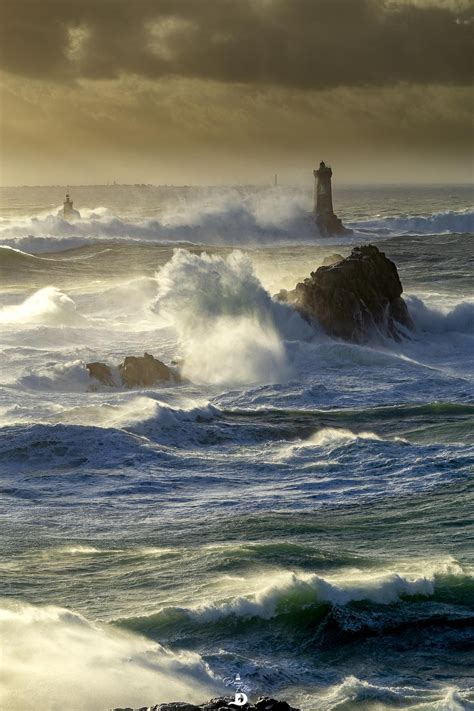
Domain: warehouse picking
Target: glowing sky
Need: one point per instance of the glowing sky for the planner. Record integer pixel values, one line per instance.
(206, 91)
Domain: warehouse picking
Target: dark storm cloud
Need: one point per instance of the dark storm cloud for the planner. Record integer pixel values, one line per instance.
(294, 43)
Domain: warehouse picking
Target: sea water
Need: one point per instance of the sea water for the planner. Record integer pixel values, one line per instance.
(297, 512)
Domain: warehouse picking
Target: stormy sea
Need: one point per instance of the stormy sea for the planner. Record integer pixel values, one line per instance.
(297, 512)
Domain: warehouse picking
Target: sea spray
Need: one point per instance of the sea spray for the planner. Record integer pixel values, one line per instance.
(48, 306)
(459, 319)
(229, 328)
(103, 666)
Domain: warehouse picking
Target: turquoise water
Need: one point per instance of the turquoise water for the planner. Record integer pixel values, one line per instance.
(298, 512)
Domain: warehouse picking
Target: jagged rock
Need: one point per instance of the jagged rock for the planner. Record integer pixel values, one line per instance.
(135, 371)
(332, 259)
(355, 298)
(264, 703)
(101, 372)
(144, 371)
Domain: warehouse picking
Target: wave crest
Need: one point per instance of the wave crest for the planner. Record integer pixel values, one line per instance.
(48, 306)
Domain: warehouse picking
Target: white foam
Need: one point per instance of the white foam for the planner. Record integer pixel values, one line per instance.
(69, 376)
(439, 320)
(47, 306)
(352, 690)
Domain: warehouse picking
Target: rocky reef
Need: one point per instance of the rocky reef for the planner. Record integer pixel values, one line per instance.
(135, 371)
(224, 703)
(354, 298)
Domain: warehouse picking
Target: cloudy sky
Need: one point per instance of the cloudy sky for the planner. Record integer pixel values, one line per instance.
(226, 91)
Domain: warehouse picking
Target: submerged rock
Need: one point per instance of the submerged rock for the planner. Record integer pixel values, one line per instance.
(354, 298)
(224, 703)
(135, 371)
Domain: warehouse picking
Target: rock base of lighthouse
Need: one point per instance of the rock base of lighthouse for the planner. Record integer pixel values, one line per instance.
(330, 224)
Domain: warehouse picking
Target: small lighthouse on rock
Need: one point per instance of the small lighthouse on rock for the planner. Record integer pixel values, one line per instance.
(328, 223)
(69, 213)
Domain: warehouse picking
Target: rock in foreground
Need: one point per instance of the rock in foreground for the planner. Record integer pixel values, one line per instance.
(101, 372)
(144, 371)
(135, 371)
(355, 298)
(264, 703)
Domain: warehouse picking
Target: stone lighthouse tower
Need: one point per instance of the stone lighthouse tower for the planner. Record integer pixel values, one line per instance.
(69, 213)
(327, 222)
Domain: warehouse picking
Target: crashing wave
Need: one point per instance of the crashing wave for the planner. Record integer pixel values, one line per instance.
(459, 319)
(229, 328)
(262, 219)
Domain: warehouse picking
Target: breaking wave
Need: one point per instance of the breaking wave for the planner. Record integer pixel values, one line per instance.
(354, 693)
(102, 435)
(351, 603)
(262, 218)
(229, 221)
(459, 319)
(451, 221)
(48, 306)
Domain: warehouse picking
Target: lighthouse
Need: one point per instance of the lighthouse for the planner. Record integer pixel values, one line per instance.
(69, 213)
(328, 223)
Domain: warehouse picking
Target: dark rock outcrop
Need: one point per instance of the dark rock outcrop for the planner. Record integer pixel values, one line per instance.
(224, 703)
(354, 299)
(332, 259)
(144, 371)
(101, 372)
(135, 371)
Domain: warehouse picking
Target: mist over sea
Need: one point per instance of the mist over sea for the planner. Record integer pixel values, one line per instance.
(298, 512)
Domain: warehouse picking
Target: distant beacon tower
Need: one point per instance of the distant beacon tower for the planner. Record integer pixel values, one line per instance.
(69, 213)
(68, 208)
(327, 222)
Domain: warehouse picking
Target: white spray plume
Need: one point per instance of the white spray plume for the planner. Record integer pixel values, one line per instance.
(229, 328)
(48, 306)
(102, 667)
